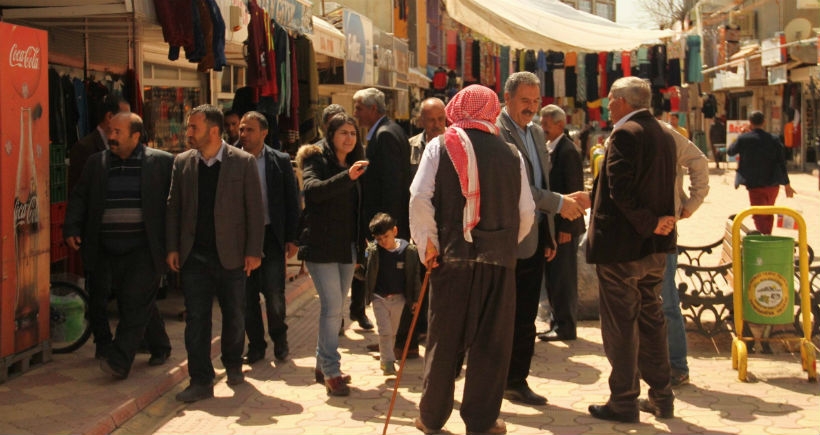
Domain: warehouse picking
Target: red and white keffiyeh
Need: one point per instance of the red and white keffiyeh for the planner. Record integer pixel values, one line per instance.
(474, 107)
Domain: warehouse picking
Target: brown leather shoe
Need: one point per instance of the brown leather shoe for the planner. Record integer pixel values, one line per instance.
(649, 406)
(497, 429)
(337, 386)
(320, 377)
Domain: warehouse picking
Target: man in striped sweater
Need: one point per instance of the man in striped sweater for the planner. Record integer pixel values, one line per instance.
(116, 218)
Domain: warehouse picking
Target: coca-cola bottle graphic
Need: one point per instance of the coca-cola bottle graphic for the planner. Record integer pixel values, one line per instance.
(26, 239)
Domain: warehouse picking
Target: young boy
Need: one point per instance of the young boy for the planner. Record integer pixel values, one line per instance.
(391, 281)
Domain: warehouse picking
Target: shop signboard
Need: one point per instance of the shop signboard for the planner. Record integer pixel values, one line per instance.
(385, 62)
(24, 189)
(770, 53)
(778, 75)
(293, 14)
(358, 30)
(327, 39)
(401, 55)
(734, 128)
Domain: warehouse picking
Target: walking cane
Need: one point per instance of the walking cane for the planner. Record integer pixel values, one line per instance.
(407, 347)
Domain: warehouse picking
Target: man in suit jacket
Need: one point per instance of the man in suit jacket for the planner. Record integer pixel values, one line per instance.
(522, 95)
(215, 227)
(434, 121)
(281, 195)
(386, 184)
(387, 179)
(116, 217)
(566, 176)
(630, 232)
(95, 141)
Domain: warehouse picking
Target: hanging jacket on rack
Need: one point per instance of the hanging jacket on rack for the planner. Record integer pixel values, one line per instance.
(176, 32)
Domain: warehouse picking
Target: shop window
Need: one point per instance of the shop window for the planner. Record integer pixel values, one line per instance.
(165, 110)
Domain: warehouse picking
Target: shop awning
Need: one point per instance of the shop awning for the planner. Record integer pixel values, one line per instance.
(327, 39)
(547, 25)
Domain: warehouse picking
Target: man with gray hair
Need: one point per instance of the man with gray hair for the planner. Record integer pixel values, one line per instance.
(522, 95)
(386, 184)
(387, 180)
(566, 176)
(631, 231)
(433, 120)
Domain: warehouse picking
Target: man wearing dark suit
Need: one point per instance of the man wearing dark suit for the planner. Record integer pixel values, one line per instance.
(386, 184)
(630, 232)
(116, 217)
(215, 233)
(95, 141)
(566, 176)
(522, 95)
(387, 179)
(281, 195)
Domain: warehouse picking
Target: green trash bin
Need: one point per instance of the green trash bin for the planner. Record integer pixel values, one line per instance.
(768, 279)
(68, 318)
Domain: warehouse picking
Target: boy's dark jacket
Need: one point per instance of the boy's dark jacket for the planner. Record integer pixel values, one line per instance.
(411, 272)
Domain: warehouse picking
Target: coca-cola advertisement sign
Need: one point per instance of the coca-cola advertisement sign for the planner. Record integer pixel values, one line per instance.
(25, 61)
(24, 190)
(28, 58)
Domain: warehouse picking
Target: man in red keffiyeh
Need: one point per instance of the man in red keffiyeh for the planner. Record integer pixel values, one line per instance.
(470, 205)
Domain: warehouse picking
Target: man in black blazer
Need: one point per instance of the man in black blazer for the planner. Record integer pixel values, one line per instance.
(215, 234)
(630, 233)
(386, 184)
(522, 95)
(95, 141)
(387, 180)
(116, 217)
(566, 176)
(281, 195)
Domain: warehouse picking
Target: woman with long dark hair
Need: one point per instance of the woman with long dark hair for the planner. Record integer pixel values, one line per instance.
(331, 216)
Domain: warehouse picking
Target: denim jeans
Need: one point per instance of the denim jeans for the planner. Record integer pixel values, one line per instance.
(202, 280)
(332, 280)
(675, 326)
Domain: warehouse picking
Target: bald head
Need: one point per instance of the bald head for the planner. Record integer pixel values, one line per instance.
(126, 131)
(432, 118)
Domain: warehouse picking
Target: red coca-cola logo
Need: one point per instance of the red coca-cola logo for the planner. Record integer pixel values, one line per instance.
(26, 51)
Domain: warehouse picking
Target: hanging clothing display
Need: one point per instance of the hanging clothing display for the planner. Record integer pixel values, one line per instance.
(198, 27)
(693, 61)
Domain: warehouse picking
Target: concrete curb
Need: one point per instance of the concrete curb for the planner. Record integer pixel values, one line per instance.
(296, 293)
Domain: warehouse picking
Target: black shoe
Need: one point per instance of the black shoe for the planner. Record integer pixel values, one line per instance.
(364, 322)
(555, 335)
(159, 358)
(254, 356)
(102, 351)
(281, 350)
(195, 393)
(647, 405)
(374, 347)
(523, 394)
(117, 373)
(604, 412)
(235, 376)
